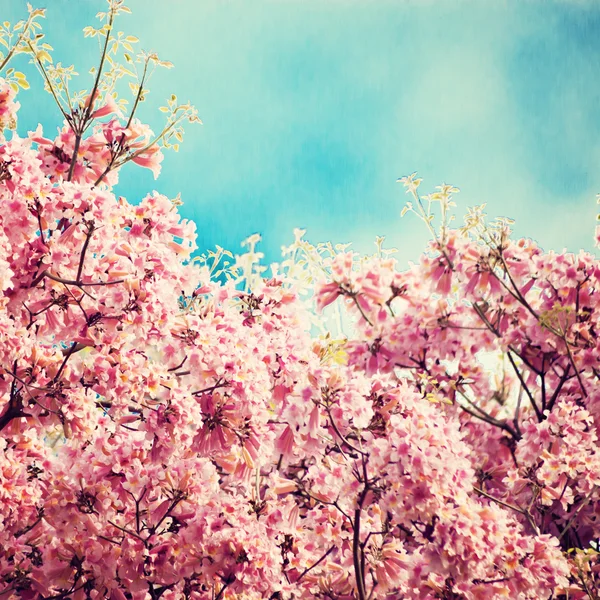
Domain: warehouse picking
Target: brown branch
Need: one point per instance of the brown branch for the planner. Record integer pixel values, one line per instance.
(487, 418)
(119, 150)
(308, 569)
(563, 379)
(88, 236)
(14, 410)
(572, 519)
(222, 590)
(38, 208)
(176, 500)
(34, 524)
(538, 412)
(521, 511)
(68, 355)
(178, 366)
(85, 120)
(79, 284)
(11, 52)
(128, 531)
(486, 321)
(577, 373)
(518, 295)
(353, 296)
(358, 553)
(339, 434)
(211, 389)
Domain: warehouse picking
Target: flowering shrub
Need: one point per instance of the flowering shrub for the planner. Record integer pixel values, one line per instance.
(166, 434)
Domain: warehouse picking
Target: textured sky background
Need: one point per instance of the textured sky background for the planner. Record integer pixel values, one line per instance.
(313, 108)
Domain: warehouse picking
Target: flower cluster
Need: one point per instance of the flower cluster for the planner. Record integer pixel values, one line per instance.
(97, 154)
(8, 106)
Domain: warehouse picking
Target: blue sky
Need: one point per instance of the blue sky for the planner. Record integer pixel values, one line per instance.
(313, 108)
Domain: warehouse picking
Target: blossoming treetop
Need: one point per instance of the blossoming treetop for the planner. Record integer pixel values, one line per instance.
(164, 435)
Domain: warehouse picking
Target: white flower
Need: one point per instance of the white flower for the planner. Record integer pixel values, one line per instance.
(411, 182)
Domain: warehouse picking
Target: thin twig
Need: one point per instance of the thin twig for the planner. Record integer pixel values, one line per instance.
(308, 569)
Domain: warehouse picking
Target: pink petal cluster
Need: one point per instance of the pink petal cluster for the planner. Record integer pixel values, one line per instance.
(95, 153)
(8, 106)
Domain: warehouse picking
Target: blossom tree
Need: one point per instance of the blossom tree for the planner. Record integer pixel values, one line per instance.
(186, 428)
